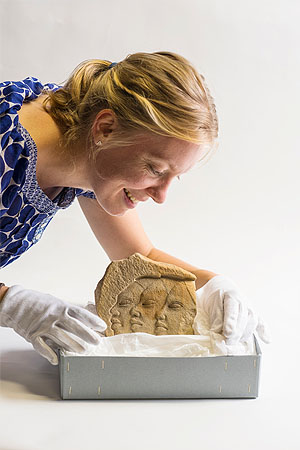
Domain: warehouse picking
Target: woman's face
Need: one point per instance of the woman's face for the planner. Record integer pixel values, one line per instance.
(141, 171)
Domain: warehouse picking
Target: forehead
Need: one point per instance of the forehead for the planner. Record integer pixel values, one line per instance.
(130, 291)
(180, 289)
(153, 286)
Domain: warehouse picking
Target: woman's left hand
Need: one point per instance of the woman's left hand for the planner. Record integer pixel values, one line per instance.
(227, 313)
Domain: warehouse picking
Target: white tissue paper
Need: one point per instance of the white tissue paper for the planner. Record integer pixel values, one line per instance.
(207, 343)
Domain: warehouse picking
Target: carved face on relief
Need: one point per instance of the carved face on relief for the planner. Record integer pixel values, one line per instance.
(121, 311)
(178, 312)
(151, 301)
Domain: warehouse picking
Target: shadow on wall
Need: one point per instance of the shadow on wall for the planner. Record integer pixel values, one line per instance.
(27, 375)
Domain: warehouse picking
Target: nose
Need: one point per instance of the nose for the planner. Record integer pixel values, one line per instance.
(115, 312)
(160, 316)
(159, 193)
(134, 312)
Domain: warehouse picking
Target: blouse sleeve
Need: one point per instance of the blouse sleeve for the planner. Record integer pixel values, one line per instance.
(13, 155)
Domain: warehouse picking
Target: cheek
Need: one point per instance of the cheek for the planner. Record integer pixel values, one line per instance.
(124, 314)
(147, 313)
(137, 180)
(135, 175)
(127, 174)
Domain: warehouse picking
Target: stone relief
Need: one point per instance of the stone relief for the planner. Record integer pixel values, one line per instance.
(138, 294)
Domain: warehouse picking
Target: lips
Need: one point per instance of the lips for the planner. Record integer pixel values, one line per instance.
(160, 324)
(114, 320)
(136, 322)
(136, 199)
(130, 196)
(128, 202)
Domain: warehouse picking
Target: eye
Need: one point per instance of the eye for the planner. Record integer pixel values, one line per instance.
(155, 172)
(148, 303)
(175, 305)
(124, 302)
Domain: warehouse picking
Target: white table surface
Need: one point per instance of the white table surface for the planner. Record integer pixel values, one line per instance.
(33, 417)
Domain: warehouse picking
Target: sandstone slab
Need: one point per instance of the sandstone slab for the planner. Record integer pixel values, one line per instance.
(138, 294)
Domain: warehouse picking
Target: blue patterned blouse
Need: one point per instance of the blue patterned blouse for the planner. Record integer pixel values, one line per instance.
(25, 210)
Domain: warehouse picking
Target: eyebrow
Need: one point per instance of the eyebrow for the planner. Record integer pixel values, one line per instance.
(155, 159)
(161, 161)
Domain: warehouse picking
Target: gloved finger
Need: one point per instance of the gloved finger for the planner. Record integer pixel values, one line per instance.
(66, 340)
(92, 308)
(231, 315)
(263, 331)
(78, 328)
(88, 318)
(250, 326)
(242, 320)
(44, 350)
(56, 343)
(52, 344)
(217, 316)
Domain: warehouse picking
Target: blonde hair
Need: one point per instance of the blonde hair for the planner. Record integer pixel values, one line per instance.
(159, 92)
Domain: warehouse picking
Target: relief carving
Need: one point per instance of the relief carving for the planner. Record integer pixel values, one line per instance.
(138, 294)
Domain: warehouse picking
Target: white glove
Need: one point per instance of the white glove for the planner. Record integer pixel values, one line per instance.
(49, 323)
(227, 313)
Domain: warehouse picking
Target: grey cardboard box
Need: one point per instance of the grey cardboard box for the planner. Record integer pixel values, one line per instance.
(127, 377)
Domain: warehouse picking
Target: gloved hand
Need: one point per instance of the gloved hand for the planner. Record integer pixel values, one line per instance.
(49, 323)
(227, 312)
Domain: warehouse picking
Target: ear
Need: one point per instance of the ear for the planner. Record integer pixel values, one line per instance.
(105, 122)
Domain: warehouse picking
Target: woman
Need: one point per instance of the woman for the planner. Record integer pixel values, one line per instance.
(113, 135)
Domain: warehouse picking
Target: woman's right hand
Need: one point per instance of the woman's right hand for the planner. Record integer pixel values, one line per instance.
(49, 323)
(226, 312)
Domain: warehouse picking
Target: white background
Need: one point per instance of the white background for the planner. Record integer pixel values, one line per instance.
(237, 215)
